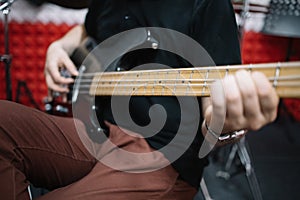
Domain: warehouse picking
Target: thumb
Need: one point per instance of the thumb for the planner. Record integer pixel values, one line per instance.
(218, 111)
(70, 66)
(214, 118)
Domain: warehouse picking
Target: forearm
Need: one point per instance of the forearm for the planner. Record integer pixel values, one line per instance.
(72, 39)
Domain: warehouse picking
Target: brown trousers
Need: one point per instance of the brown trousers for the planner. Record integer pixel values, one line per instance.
(46, 151)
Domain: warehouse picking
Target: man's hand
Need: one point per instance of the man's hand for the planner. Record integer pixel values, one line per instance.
(57, 59)
(244, 100)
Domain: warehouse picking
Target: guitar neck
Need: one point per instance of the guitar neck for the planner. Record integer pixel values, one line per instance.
(285, 78)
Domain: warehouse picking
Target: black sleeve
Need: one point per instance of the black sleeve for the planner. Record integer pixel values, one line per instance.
(215, 28)
(91, 18)
(78, 4)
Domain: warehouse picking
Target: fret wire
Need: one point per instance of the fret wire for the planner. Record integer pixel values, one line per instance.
(118, 83)
(145, 87)
(163, 86)
(190, 78)
(205, 82)
(277, 72)
(124, 88)
(155, 83)
(178, 72)
(133, 86)
(250, 67)
(152, 86)
(227, 71)
(97, 79)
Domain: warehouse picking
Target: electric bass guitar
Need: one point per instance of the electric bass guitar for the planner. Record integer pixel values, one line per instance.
(196, 81)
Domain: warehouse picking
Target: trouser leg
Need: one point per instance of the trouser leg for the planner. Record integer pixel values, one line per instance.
(140, 178)
(38, 148)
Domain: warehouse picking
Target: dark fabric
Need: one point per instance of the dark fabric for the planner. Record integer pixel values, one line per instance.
(79, 4)
(209, 22)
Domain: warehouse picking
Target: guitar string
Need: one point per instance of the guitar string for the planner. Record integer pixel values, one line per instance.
(216, 68)
(87, 78)
(292, 81)
(116, 83)
(104, 80)
(168, 86)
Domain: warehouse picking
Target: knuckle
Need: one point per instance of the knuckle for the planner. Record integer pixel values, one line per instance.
(273, 116)
(264, 94)
(233, 98)
(249, 93)
(217, 105)
(240, 123)
(275, 102)
(255, 125)
(235, 112)
(235, 123)
(56, 79)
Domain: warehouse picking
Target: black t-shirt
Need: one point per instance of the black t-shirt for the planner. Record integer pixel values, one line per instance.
(210, 22)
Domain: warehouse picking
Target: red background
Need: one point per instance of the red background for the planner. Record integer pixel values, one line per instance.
(29, 41)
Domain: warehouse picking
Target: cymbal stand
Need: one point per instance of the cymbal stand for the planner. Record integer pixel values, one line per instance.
(6, 58)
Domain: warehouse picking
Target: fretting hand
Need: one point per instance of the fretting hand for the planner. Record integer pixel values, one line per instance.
(244, 100)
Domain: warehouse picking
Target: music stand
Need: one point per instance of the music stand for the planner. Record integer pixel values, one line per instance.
(6, 57)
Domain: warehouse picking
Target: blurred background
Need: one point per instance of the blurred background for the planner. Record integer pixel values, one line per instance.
(265, 165)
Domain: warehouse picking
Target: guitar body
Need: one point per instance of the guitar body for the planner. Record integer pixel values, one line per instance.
(83, 106)
(93, 58)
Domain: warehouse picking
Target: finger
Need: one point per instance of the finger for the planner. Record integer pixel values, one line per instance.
(234, 106)
(55, 87)
(54, 73)
(268, 98)
(57, 77)
(250, 99)
(49, 97)
(70, 66)
(64, 97)
(218, 108)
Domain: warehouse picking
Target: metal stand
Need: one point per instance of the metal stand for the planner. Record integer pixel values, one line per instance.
(6, 57)
(204, 190)
(240, 149)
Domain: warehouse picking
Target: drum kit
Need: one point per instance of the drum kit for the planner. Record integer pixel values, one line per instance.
(6, 58)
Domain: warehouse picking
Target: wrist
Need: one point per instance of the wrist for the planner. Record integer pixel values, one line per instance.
(227, 137)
